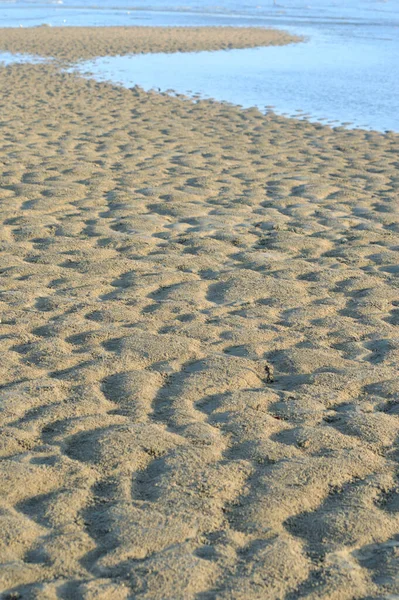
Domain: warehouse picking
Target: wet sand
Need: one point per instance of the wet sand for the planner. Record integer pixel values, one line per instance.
(199, 348)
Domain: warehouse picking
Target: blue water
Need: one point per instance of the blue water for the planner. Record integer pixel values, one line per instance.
(6, 58)
(326, 80)
(347, 71)
(194, 12)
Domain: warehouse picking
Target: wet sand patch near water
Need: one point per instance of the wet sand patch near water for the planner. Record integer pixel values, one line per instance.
(199, 317)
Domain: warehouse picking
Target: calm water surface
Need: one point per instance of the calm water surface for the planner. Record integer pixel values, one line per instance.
(196, 12)
(323, 78)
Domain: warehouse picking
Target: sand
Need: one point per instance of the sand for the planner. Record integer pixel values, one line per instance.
(199, 349)
(82, 43)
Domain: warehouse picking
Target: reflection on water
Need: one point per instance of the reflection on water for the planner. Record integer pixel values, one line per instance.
(329, 77)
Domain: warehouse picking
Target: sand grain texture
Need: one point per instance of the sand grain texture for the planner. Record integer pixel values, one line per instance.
(160, 261)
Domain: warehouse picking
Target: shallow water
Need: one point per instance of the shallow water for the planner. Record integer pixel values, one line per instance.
(195, 12)
(326, 78)
(6, 58)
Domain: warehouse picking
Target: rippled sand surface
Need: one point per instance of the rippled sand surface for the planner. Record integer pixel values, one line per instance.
(199, 348)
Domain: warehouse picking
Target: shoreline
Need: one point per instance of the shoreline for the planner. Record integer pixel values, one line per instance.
(199, 312)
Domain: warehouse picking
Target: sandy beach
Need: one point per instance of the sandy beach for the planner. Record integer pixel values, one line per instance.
(199, 340)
